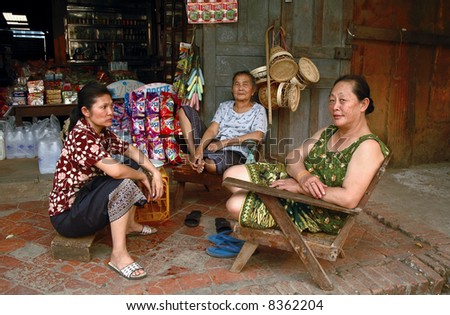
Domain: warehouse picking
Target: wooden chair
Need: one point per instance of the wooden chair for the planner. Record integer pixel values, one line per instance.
(308, 246)
(183, 173)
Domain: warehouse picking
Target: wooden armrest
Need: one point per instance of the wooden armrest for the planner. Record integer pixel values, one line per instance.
(287, 195)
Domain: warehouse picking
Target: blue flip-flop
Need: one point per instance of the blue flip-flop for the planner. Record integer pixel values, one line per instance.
(224, 238)
(223, 251)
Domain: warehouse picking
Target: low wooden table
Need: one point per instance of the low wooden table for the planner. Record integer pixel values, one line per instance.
(20, 111)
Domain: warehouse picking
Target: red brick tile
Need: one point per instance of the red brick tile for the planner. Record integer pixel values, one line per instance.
(22, 290)
(11, 244)
(354, 282)
(341, 285)
(415, 282)
(8, 206)
(220, 276)
(5, 285)
(374, 287)
(163, 286)
(384, 283)
(436, 281)
(432, 263)
(252, 289)
(194, 281)
(399, 285)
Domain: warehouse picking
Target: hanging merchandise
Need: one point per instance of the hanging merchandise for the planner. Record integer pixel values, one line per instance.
(183, 69)
(209, 12)
(281, 85)
(189, 81)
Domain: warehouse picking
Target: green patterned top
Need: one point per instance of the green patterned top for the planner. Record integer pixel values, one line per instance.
(331, 166)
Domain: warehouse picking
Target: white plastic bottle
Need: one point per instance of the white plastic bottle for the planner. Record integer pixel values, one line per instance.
(30, 144)
(2, 146)
(49, 150)
(20, 142)
(11, 145)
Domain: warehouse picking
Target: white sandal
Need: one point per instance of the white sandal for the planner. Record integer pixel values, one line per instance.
(127, 271)
(146, 230)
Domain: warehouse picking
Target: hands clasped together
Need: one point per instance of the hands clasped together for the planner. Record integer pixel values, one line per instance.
(153, 190)
(307, 184)
(197, 162)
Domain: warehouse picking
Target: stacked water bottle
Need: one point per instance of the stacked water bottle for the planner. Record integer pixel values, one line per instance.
(40, 139)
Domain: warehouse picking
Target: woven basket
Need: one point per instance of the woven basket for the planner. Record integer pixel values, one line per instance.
(288, 95)
(282, 66)
(260, 74)
(296, 80)
(263, 97)
(308, 72)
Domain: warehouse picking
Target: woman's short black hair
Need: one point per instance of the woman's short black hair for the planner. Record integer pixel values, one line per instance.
(86, 98)
(360, 88)
(247, 73)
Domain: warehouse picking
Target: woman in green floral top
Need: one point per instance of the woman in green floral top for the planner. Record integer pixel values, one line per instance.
(335, 165)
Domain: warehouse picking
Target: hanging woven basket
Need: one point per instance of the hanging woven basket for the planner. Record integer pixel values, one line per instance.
(288, 95)
(264, 98)
(260, 74)
(282, 66)
(308, 72)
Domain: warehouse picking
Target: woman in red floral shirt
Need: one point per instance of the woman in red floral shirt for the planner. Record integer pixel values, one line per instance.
(92, 190)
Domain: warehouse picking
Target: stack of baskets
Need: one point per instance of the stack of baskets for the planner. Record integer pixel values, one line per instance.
(287, 79)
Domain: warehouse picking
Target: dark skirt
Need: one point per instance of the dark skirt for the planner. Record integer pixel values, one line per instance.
(97, 204)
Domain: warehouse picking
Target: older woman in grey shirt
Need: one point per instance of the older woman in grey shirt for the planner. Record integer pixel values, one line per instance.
(219, 146)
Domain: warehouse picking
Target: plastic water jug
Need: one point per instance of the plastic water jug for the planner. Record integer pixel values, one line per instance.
(20, 143)
(2, 146)
(30, 144)
(11, 146)
(49, 150)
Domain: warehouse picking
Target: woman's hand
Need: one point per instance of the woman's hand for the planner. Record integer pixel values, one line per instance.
(198, 164)
(157, 186)
(312, 185)
(215, 146)
(288, 184)
(145, 187)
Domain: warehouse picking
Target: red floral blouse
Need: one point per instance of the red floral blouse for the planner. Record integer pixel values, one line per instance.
(82, 149)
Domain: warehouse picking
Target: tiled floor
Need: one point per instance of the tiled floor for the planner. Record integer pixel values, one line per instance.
(385, 254)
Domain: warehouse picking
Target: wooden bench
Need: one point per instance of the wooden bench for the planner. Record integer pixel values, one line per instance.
(308, 246)
(66, 248)
(184, 173)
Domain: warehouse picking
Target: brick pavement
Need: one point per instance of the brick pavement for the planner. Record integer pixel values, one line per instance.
(385, 254)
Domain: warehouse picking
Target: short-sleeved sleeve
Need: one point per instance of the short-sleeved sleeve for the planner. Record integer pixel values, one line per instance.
(221, 112)
(260, 122)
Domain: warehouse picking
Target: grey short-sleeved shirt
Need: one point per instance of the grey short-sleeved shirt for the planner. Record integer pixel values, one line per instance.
(232, 124)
